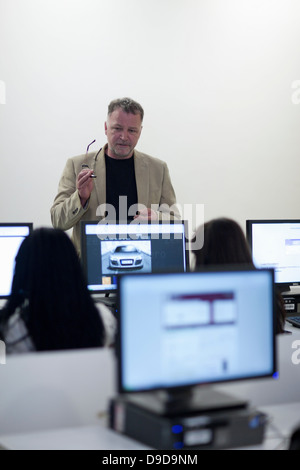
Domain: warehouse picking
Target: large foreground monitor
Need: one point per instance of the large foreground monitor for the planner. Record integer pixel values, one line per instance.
(276, 244)
(11, 237)
(111, 250)
(180, 330)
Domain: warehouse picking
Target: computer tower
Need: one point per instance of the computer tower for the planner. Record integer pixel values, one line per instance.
(219, 429)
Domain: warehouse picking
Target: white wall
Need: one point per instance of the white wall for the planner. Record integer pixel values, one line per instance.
(214, 77)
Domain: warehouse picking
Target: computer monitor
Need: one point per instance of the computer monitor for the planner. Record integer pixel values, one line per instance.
(111, 250)
(180, 330)
(11, 237)
(276, 244)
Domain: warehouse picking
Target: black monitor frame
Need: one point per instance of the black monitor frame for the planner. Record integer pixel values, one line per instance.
(15, 224)
(179, 391)
(84, 261)
(281, 286)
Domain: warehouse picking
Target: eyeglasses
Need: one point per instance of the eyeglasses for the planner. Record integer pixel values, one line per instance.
(85, 165)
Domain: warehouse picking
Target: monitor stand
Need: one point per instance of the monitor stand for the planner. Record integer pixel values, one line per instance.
(188, 401)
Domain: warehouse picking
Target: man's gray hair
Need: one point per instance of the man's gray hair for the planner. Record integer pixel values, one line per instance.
(128, 105)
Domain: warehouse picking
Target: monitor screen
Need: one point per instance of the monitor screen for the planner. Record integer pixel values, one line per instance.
(186, 329)
(276, 244)
(11, 237)
(111, 250)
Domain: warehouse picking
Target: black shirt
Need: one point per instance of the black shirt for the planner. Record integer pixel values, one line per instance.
(120, 181)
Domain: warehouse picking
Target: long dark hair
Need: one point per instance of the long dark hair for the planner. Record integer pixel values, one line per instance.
(225, 243)
(59, 312)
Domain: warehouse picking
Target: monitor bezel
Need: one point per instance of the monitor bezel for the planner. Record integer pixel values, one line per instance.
(15, 224)
(281, 286)
(107, 292)
(181, 388)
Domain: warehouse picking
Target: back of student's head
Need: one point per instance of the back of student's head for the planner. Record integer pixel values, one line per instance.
(224, 243)
(49, 281)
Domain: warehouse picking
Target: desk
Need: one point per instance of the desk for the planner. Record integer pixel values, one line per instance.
(94, 437)
(283, 418)
(71, 389)
(42, 391)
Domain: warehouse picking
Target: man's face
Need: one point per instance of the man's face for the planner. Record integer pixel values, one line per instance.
(123, 131)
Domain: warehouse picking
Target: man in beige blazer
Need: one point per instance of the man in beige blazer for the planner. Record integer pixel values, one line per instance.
(92, 185)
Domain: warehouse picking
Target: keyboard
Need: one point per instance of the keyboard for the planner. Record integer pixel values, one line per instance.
(295, 321)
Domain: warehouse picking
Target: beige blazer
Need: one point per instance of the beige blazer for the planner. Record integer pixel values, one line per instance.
(154, 189)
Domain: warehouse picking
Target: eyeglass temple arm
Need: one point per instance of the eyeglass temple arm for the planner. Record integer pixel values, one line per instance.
(87, 149)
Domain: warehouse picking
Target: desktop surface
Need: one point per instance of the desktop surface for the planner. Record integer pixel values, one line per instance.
(283, 420)
(44, 405)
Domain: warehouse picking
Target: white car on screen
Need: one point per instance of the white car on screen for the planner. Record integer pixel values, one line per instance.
(125, 257)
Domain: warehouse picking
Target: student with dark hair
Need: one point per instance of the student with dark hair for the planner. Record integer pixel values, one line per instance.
(50, 307)
(225, 243)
